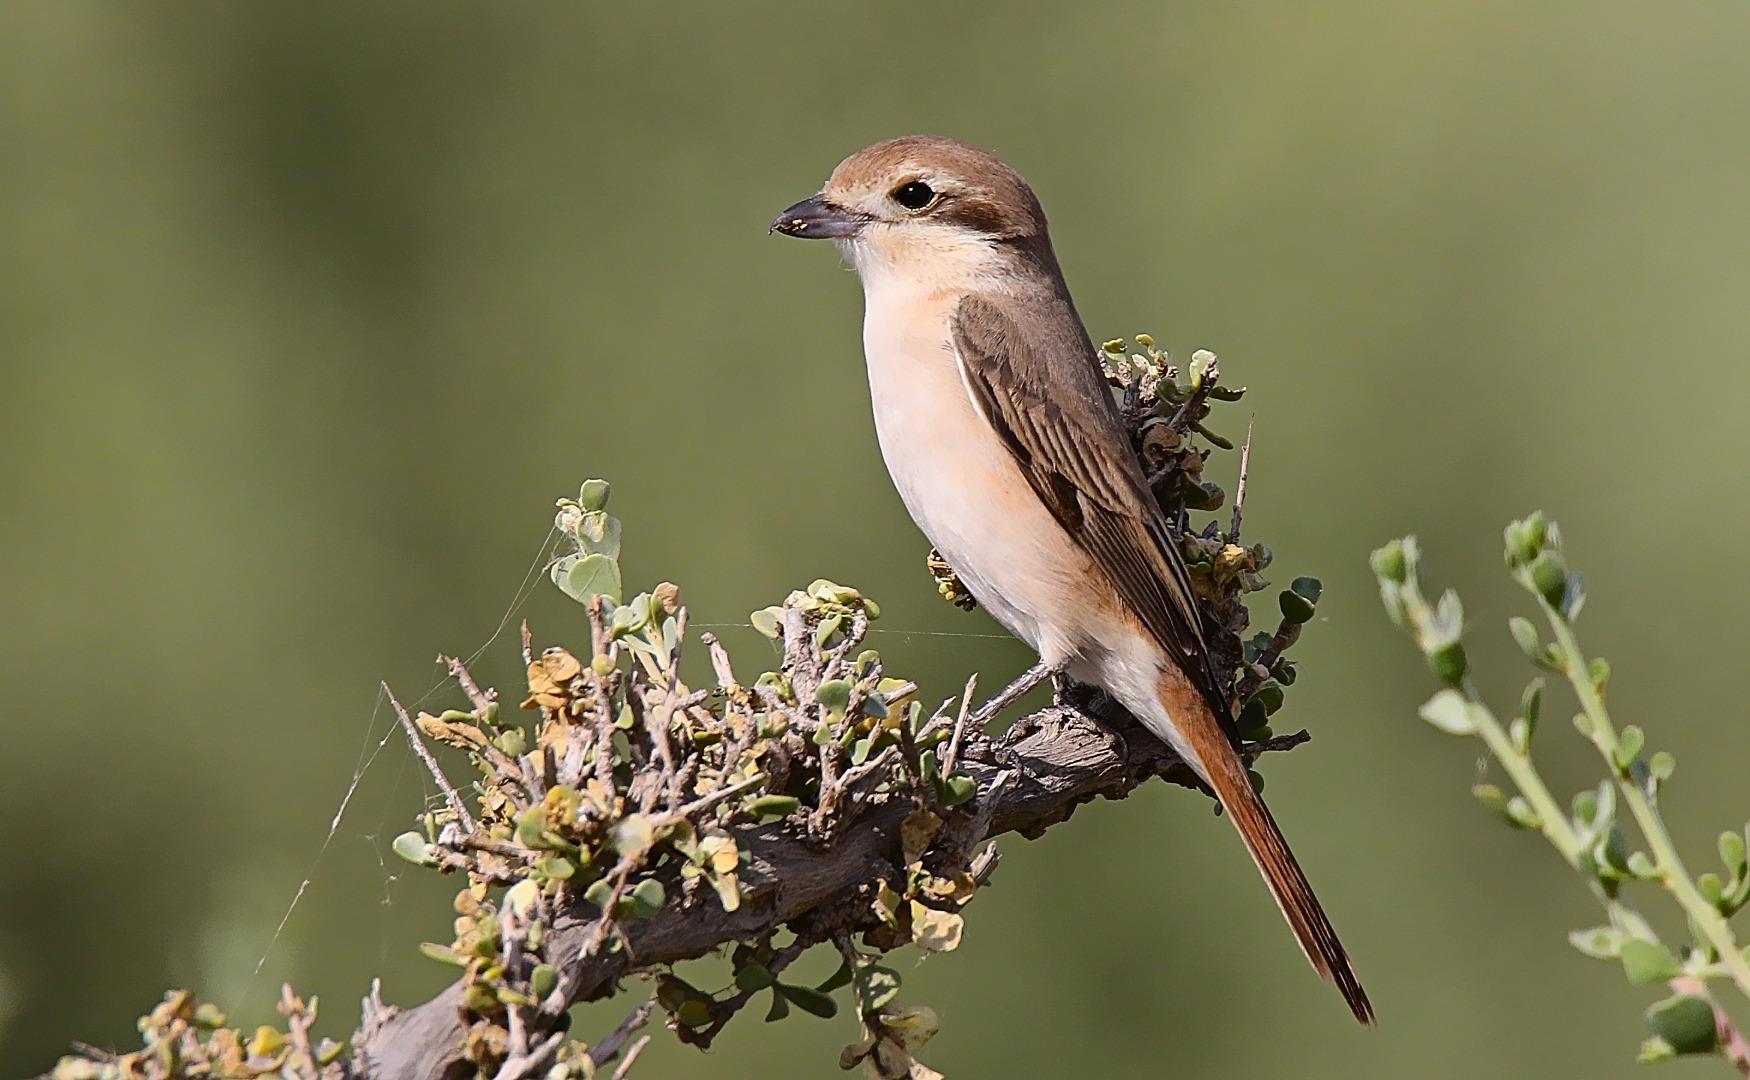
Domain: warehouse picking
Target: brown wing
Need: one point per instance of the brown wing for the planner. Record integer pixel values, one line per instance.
(1031, 370)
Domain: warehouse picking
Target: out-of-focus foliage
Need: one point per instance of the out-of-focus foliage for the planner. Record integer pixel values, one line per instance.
(301, 305)
(1591, 837)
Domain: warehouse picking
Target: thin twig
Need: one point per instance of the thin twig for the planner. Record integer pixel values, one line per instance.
(631, 1058)
(456, 804)
(725, 1010)
(952, 757)
(298, 1027)
(449, 859)
(515, 932)
(518, 1067)
(898, 692)
(1211, 375)
(611, 1044)
(705, 802)
(856, 772)
(483, 700)
(719, 660)
(1287, 634)
(485, 844)
(1011, 693)
(1233, 532)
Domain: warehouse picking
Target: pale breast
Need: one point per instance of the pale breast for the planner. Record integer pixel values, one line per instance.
(959, 481)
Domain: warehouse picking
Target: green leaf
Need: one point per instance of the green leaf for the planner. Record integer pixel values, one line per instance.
(414, 848)
(1491, 796)
(1525, 635)
(1611, 851)
(1711, 888)
(1646, 962)
(1641, 865)
(1653, 1051)
(834, 695)
(780, 1007)
(753, 975)
(1732, 853)
(827, 628)
(767, 620)
(1296, 608)
(1270, 696)
(1662, 765)
(1449, 663)
(599, 534)
(530, 824)
(1253, 718)
(1524, 539)
(600, 891)
(443, 954)
(209, 1016)
(512, 742)
(693, 1012)
(1549, 576)
(1629, 744)
(841, 977)
(593, 496)
(1389, 563)
(647, 898)
(1520, 813)
(1600, 942)
(1531, 701)
(1450, 712)
(773, 806)
(1308, 588)
(957, 789)
(584, 577)
(1685, 1023)
(556, 868)
(810, 1000)
(1586, 807)
(544, 979)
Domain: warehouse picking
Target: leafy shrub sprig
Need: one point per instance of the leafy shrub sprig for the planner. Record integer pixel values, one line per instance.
(1590, 834)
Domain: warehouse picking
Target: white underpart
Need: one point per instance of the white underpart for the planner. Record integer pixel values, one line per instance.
(963, 487)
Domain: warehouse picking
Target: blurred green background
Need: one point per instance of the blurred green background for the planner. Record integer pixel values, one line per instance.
(308, 311)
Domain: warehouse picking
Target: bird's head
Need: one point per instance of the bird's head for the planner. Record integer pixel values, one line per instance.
(921, 205)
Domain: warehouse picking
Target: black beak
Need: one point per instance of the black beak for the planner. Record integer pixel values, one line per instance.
(815, 218)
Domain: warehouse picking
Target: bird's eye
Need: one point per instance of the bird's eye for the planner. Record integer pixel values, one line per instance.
(915, 195)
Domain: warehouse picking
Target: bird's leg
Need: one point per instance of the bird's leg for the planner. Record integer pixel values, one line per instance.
(1026, 681)
(1061, 685)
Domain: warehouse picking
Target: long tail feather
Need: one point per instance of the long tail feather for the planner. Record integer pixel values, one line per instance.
(1226, 773)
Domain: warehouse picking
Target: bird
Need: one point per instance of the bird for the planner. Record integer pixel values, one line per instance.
(996, 425)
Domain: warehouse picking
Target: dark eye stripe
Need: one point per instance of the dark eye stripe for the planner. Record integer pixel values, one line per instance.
(980, 215)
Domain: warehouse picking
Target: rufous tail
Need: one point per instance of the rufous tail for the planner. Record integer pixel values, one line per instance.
(1226, 773)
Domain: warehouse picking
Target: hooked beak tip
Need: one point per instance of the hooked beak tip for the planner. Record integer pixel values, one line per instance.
(816, 218)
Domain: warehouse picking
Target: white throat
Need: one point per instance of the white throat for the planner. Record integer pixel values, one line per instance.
(921, 260)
